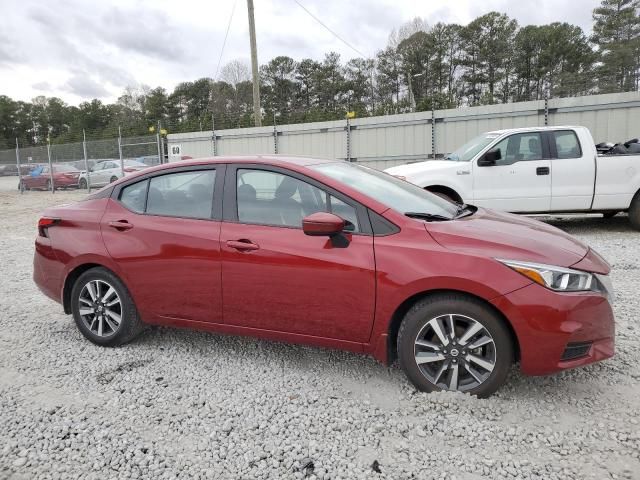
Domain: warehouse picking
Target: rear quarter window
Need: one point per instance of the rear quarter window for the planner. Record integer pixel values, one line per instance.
(134, 196)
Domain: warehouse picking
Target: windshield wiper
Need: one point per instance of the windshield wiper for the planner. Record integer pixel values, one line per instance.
(429, 217)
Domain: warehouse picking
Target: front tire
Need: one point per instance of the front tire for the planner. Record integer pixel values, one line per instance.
(454, 342)
(634, 212)
(103, 309)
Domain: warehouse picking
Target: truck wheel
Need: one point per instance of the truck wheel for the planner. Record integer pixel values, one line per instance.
(634, 212)
(452, 342)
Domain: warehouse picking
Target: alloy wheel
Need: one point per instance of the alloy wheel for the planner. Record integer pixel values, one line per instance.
(100, 308)
(455, 352)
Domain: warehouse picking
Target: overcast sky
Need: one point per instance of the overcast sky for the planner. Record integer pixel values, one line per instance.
(82, 49)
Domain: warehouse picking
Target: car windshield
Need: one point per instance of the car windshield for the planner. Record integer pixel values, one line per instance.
(401, 196)
(470, 149)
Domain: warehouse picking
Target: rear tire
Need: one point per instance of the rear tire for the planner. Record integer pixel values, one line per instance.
(113, 179)
(103, 309)
(82, 184)
(634, 212)
(440, 362)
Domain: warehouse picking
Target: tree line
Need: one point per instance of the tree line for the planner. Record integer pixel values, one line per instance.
(490, 60)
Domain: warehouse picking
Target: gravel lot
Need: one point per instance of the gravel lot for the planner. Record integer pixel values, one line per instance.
(184, 404)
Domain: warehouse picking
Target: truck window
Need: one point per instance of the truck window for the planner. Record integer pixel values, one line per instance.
(520, 147)
(567, 144)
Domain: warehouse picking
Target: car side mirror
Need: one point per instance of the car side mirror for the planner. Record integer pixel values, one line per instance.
(490, 158)
(321, 224)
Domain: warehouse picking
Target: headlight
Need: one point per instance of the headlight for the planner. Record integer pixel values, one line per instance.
(561, 279)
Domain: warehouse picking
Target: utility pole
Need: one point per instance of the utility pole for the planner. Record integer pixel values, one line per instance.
(257, 112)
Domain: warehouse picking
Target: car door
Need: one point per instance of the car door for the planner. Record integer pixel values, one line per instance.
(275, 277)
(520, 181)
(572, 173)
(98, 175)
(111, 169)
(40, 180)
(164, 233)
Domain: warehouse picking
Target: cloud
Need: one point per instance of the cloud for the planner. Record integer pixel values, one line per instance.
(83, 49)
(85, 87)
(152, 33)
(7, 53)
(42, 86)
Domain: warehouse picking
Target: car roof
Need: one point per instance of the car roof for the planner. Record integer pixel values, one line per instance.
(276, 160)
(533, 129)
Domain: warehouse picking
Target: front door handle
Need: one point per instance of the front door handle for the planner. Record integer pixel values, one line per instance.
(542, 171)
(121, 225)
(243, 245)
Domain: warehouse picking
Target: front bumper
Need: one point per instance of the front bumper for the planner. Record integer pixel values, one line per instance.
(546, 322)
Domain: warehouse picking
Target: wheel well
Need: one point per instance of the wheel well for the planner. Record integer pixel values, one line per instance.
(401, 311)
(71, 280)
(449, 192)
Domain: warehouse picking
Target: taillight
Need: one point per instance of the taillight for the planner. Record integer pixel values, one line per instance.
(44, 223)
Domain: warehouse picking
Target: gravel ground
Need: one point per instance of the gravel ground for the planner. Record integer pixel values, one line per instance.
(184, 404)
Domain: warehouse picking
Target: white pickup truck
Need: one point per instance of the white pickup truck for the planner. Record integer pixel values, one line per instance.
(534, 170)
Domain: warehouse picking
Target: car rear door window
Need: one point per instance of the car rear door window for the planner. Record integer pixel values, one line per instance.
(270, 198)
(567, 144)
(182, 194)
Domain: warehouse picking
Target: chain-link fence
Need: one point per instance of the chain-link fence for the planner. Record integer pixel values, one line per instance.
(87, 164)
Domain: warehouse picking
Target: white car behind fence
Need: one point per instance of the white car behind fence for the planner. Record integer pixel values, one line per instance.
(107, 171)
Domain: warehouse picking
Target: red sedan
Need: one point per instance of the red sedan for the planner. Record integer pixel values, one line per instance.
(64, 176)
(332, 254)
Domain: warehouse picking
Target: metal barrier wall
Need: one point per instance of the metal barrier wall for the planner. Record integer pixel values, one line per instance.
(382, 142)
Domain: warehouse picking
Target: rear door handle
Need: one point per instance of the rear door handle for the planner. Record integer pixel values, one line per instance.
(121, 225)
(243, 245)
(542, 171)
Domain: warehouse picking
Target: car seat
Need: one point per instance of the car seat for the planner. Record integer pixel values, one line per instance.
(290, 211)
(535, 149)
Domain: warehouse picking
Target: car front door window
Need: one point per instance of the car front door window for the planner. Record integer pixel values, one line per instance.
(271, 198)
(519, 147)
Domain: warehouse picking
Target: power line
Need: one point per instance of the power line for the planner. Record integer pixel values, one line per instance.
(332, 32)
(215, 78)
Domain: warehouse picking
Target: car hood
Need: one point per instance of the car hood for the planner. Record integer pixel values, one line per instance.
(507, 236)
(422, 167)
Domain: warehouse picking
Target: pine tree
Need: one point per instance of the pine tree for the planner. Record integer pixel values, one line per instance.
(616, 31)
